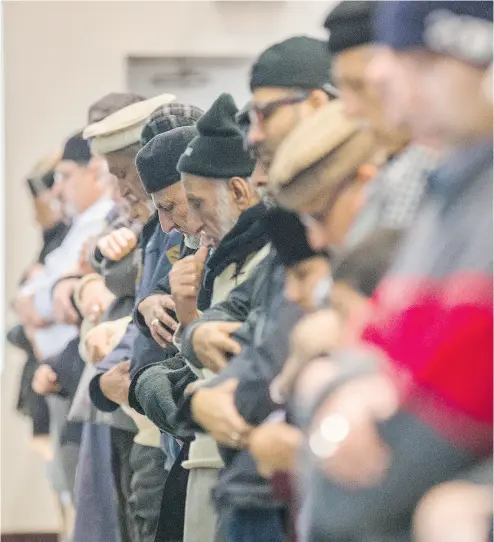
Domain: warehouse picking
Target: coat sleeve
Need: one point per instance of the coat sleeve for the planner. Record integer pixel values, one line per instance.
(157, 391)
(122, 352)
(234, 309)
(68, 365)
(121, 276)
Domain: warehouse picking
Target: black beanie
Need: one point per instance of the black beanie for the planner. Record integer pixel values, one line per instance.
(38, 185)
(299, 62)
(288, 236)
(157, 161)
(77, 149)
(218, 151)
(350, 24)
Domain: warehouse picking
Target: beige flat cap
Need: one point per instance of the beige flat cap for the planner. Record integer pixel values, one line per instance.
(124, 127)
(327, 139)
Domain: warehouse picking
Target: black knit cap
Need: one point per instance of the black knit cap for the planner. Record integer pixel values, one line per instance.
(299, 62)
(40, 184)
(218, 151)
(157, 161)
(288, 236)
(350, 24)
(170, 116)
(77, 149)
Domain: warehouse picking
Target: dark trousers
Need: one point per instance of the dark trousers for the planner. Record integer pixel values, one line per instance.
(148, 481)
(254, 525)
(171, 519)
(121, 447)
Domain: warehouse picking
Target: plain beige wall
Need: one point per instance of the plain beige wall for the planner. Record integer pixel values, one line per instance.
(58, 58)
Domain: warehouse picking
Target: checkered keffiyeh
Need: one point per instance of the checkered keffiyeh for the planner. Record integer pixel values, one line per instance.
(394, 195)
(170, 116)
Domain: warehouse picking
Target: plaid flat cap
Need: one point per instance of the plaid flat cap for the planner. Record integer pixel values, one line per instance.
(170, 116)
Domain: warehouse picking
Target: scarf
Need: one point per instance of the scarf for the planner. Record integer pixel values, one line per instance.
(245, 238)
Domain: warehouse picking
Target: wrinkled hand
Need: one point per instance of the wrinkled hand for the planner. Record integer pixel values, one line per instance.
(316, 333)
(115, 383)
(95, 298)
(45, 380)
(361, 458)
(161, 325)
(63, 309)
(212, 342)
(185, 283)
(275, 447)
(214, 409)
(117, 244)
(98, 342)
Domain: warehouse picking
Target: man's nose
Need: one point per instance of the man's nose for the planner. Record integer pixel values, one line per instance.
(256, 134)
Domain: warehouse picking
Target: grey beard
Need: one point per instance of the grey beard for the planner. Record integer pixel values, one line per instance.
(266, 197)
(223, 211)
(192, 241)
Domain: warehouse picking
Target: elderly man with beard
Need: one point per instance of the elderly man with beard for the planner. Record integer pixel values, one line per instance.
(109, 388)
(266, 121)
(282, 97)
(240, 244)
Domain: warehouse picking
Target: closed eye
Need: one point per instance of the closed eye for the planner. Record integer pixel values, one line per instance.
(166, 209)
(195, 204)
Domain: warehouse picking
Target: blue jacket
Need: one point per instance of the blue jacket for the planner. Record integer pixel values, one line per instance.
(156, 264)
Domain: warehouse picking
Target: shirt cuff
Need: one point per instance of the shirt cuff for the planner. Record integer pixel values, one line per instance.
(99, 400)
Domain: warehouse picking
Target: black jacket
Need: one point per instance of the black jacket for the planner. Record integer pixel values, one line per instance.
(268, 320)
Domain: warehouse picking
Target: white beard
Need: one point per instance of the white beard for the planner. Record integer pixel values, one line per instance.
(226, 221)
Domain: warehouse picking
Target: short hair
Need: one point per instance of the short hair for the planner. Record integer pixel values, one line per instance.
(364, 266)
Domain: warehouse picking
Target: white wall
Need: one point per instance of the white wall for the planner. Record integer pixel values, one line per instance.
(59, 58)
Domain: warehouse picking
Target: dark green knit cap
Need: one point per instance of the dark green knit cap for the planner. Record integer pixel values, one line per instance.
(218, 151)
(299, 62)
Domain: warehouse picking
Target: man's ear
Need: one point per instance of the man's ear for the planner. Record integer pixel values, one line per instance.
(241, 191)
(98, 166)
(318, 98)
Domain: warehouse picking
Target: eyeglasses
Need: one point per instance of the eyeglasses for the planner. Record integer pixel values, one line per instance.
(318, 218)
(260, 112)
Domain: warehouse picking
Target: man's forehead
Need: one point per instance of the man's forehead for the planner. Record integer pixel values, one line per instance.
(354, 60)
(197, 186)
(118, 160)
(266, 94)
(170, 194)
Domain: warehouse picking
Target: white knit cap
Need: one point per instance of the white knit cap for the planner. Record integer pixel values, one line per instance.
(124, 127)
